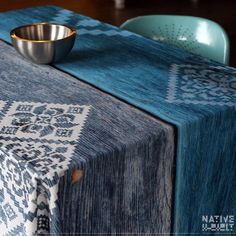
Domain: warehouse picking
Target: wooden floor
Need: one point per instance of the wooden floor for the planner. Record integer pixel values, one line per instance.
(221, 11)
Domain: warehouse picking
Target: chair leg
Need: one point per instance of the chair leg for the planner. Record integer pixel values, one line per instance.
(120, 4)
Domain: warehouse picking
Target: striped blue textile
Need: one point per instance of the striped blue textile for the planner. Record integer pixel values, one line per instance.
(195, 94)
(74, 159)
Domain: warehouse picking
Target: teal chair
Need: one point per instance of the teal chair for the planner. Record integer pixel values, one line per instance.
(197, 35)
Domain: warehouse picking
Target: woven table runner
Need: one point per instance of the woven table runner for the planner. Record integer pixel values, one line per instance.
(195, 94)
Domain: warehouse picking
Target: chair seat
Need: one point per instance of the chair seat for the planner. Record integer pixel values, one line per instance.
(194, 34)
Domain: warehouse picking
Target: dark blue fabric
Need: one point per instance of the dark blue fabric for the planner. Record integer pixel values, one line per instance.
(126, 157)
(195, 94)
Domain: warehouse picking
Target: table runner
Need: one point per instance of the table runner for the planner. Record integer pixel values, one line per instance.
(52, 125)
(195, 94)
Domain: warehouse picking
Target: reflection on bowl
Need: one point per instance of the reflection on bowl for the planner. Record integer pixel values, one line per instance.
(43, 43)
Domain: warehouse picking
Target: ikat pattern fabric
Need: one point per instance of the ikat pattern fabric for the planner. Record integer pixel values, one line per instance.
(200, 84)
(44, 121)
(1, 105)
(37, 142)
(87, 26)
(116, 144)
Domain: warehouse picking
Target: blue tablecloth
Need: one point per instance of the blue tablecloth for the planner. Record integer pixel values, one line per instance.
(195, 94)
(75, 160)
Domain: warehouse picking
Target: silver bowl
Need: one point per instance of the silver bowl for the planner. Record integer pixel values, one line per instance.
(43, 43)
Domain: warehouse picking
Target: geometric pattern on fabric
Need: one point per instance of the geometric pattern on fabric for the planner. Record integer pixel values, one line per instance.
(85, 26)
(55, 122)
(200, 84)
(37, 142)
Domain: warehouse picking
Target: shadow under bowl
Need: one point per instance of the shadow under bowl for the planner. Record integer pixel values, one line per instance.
(43, 43)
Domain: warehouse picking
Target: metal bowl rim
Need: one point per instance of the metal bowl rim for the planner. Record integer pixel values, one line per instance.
(14, 36)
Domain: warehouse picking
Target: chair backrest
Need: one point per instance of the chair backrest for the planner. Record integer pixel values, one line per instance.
(194, 34)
